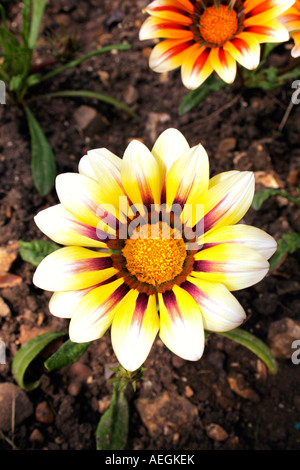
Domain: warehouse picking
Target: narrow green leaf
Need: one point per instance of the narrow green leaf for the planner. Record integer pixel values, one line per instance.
(67, 354)
(92, 95)
(255, 345)
(43, 165)
(194, 97)
(76, 62)
(261, 196)
(112, 429)
(38, 9)
(35, 251)
(27, 353)
(25, 22)
(288, 243)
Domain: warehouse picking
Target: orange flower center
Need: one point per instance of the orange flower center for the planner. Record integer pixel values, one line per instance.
(153, 255)
(217, 25)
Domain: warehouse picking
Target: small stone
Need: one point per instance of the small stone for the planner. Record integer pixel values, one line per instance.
(104, 403)
(4, 308)
(43, 413)
(80, 371)
(130, 95)
(28, 332)
(240, 387)
(216, 432)
(8, 254)
(225, 147)
(167, 409)
(36, 436)
(268, 179)
(74, 388)
(15, 406)
(189, 392)
(281, 335)
(89, 121)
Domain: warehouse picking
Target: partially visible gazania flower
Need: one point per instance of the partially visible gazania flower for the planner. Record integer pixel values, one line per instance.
(202, 36)
(152, 246)
(291, 19)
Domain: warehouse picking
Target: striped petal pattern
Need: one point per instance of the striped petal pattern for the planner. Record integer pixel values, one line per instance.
(162, 277)
(202, 37)
(291, 20)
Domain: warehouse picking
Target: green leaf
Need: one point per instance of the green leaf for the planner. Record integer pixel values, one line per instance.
(35, 251)
(288, 243)
(27, 353)
(38, 9)
(67, 354)
(25, 22)
(92, 95)
(261, 196)
(42, 159)
(255, 345)
(194, 97)
(76, 62)
(112, 430)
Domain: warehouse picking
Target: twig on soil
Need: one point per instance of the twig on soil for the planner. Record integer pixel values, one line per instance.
(9, 441)
(223, 108)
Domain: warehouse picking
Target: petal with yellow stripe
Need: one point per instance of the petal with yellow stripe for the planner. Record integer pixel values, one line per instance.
(242, 234)
(72, 268)
(94, 313)
(158, 28)
(181, 325)
(134, 328)
(60, 225)
(259, 12)
(245, 49)
(171, 10)
(196, 66)
(87, 201)
(223, 63)
(235, 266)
(220, 309)
(228, 201)
(141, 175)
(170, 54)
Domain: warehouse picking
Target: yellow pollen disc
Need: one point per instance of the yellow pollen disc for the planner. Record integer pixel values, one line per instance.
(217, 25)
(155, 259)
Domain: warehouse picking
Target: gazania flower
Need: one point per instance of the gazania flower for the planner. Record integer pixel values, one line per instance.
(202, 36)
(152, 247)
(291, 19)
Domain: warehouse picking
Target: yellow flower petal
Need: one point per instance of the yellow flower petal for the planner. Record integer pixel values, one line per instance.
(220, 309)
(63, 304)
(229, 200)
(241, 234)
(134, 328)
(245, 49)
(223, 63)
(196, 66)
(169, 54)
(72, 268)
(60, 225)
(95, 312)
(169, 146)
(172, 10)
(141, 175)
(158, 28)
(87, 201)
(181, 326)
(263, 11)
(236, 266)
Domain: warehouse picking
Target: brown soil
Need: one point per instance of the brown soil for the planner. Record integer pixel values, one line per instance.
(263, 417)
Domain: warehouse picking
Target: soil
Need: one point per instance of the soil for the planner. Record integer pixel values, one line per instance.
(228, 399)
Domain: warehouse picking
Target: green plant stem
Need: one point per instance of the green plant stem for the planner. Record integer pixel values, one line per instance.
(76, 62)
(92, 95)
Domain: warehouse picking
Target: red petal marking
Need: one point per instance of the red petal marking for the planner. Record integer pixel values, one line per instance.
(263, 7)
(140, 309)
(240, 45)
(172, 10)
(200, 62)
(171, 305)
(265, 30)
(173, 51)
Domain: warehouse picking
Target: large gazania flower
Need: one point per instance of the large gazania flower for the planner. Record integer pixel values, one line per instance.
(203, 36)
(291, 19)
(152, 247)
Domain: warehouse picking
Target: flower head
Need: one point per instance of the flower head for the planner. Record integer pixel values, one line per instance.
(291, 19)
(153, 245)
(202, 36)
